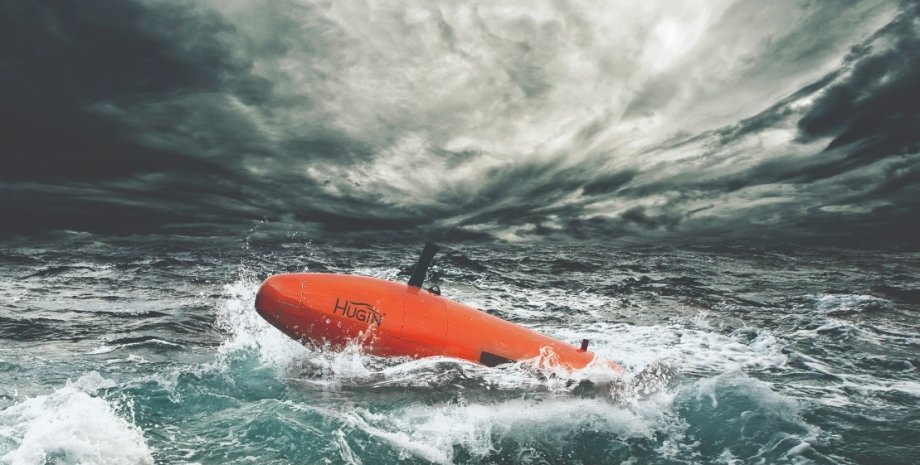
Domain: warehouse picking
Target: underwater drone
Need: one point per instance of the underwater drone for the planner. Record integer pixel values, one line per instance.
(393, 319)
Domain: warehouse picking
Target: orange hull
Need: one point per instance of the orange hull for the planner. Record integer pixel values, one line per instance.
(394, 319)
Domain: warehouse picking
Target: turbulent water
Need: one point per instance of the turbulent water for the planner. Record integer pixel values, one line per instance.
(148, 350)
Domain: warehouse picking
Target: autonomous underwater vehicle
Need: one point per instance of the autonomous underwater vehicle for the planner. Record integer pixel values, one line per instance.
(393, 319)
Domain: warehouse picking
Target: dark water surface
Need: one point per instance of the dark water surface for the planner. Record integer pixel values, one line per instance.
(148, 350)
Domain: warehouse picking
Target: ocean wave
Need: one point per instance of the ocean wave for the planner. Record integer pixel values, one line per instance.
(841, 304)
(729, 357)
(72, 425)
(146, 343)
(705, 421)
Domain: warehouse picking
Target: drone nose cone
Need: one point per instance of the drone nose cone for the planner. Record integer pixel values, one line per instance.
(279, 293)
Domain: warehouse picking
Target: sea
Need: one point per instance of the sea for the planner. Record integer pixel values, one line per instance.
(147, 350)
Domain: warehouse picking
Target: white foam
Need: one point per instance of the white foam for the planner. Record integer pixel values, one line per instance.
(685, 348)
(847, 303)
(345, 450)
(907, 387)
(105, 349)
(529, 304)
(249, 331)
(432, 432)
(389, 274)
(71, 426)
(435, 432)
(92, 382)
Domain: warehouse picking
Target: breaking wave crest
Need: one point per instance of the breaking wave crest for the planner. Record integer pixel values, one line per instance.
(72, 425)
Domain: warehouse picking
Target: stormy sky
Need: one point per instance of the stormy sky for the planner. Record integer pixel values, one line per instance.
(725, 120)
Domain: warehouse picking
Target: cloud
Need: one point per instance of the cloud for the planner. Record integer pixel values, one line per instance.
(521, 120)
(876, 102)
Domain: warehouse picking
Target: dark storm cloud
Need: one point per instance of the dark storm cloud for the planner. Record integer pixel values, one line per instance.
(64, 165)
(60, 59)
(879, 102)
(466, 120)
(117, 118)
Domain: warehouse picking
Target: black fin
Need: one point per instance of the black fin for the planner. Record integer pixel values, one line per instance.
(421, 267)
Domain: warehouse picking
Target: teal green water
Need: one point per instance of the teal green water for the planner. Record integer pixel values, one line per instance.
(148, 350)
